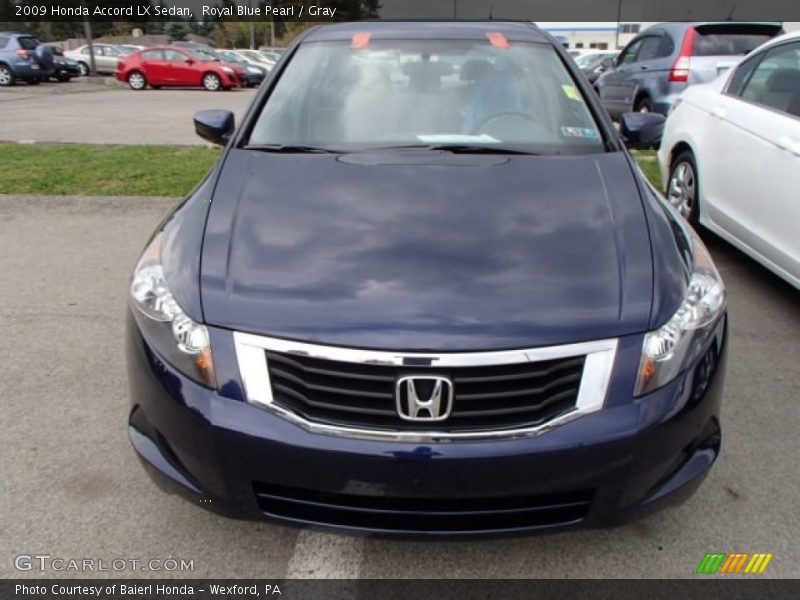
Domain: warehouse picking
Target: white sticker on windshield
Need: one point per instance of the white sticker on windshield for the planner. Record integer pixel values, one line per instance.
(581, 132)
(457, 138)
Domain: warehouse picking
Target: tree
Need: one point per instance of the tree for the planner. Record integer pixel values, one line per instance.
(177, 30)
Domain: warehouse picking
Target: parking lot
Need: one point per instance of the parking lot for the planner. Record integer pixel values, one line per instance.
(73, 487)
(98, 111)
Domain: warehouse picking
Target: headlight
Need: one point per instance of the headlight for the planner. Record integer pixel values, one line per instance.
(178, 338)
(668, 350)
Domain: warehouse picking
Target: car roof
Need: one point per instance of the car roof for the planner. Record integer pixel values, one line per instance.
(513, 31)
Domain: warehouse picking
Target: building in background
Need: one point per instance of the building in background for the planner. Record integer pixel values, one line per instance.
(608, 35)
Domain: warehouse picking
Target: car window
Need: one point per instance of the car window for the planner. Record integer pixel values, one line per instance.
(708, 43)
(152, 55)
(110, 51)
(417, 92)
(775, 82)
(629, 54)
(27, 43)
(174, 56)
(742, 74)
(649, 48)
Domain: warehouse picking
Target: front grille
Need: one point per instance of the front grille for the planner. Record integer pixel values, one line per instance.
(423, 515)
(486, 397)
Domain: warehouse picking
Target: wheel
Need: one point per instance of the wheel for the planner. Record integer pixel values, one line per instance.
(84, 69)
(643, 105)
(211, 82)
(6, 76)
(137, 80)
(683, 189)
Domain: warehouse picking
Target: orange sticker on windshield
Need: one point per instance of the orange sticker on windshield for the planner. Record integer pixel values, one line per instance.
(497, 39)
(360, 40)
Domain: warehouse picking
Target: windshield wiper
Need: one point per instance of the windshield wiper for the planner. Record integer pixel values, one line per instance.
(460, 149)
(479, 149)
(291, 149)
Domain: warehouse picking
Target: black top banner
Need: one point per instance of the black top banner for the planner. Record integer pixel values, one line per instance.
(26, 11)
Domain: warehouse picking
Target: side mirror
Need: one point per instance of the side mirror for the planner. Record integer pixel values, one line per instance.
(189, 61)
(216, 126)
(642, 130)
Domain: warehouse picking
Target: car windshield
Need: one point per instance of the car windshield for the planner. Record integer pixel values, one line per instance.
(590, 61)
(428, 93)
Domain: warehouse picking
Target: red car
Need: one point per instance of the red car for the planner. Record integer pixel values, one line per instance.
(167, 65)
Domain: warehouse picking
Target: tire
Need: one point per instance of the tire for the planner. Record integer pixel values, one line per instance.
(212, 82)
(84, 69)
(7, 78)
(683, 189)
(137, 81)
(643, 104)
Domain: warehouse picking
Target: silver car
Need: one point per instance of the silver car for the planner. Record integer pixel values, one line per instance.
(106, 57)
(665, 59)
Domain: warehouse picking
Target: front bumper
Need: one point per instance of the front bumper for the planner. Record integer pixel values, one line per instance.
(605, 468)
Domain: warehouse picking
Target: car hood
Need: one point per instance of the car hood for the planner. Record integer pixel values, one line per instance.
(427, 251)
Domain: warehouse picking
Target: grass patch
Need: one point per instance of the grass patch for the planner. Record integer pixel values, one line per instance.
(648, 163)
(100, 170)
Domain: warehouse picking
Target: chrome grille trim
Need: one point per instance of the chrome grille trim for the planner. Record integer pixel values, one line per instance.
(251, 356)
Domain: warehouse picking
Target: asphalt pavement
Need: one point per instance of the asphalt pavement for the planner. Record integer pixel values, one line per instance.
(72, 487)
(103, 111)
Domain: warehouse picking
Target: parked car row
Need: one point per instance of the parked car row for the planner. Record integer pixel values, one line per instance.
(25, 58)
(665, 59)
(729, 149)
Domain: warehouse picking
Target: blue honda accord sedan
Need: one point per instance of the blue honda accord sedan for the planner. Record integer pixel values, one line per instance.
(426, 291)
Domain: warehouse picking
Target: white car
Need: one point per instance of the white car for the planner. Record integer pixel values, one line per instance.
(730, 154)
(255, 57)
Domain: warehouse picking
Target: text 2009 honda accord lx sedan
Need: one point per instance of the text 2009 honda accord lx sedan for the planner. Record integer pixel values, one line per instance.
(426, 291)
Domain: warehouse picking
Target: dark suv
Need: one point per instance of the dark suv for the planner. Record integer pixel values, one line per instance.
(661, 62)
(24, 57)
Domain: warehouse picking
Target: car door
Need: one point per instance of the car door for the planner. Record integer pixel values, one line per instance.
(180, 69)
(614, 85)
(650, 70)
(754, 195)
(104, 60)
(154, 66)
